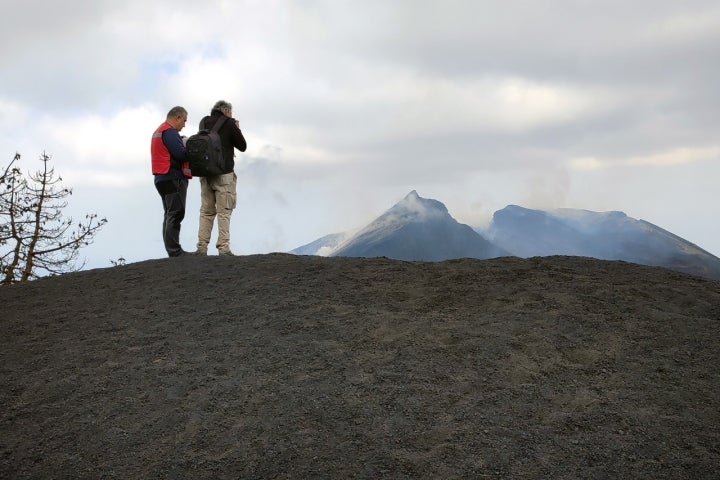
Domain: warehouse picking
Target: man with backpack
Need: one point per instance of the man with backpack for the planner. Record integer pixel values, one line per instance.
(218, 192)
(171, 171)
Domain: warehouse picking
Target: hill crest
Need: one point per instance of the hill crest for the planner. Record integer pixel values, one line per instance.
(271, 366)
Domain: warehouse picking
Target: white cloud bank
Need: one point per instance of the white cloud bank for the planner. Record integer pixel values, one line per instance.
(674, 157)
(348, 106)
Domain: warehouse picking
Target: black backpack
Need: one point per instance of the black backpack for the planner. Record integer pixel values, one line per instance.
(205, 152)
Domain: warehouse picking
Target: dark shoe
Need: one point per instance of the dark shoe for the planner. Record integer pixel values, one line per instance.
(181, 253)
(200, 253)
(226, 253)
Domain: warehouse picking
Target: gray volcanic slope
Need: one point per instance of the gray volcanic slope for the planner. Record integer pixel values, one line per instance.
(284, 366)
(604, 235)
(418, 228)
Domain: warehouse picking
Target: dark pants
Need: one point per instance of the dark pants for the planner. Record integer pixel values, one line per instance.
(173, 194)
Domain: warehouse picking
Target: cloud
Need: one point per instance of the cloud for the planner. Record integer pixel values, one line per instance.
(678, 156)
(503, 105)
(547, 189)
(695, 25)
(115, 147)
(587, 163)
(674, 157)
(347, 106)
(86, 55)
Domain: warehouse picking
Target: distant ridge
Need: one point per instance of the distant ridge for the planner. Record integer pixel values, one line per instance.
(323, 246)
(422, 229)
(604, 235)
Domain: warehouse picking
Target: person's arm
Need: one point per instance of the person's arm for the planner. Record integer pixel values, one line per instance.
(238, 140)
(173, 142)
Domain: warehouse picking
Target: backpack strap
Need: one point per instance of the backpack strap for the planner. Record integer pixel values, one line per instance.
(217, 125)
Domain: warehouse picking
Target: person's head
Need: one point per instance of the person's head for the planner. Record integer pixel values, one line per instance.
(176, 117)
(224, 107)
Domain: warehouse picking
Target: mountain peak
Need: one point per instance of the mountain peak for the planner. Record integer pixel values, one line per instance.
(417, 228)
(413, 205)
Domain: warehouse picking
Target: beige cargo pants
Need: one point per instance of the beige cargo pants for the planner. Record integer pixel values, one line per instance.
(217, 198)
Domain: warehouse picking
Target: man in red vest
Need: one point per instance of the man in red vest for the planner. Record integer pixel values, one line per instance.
(172, 172)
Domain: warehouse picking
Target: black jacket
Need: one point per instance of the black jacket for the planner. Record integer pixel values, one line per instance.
(230, 136)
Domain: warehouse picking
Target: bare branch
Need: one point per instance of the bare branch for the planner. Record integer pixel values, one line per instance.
(35, 239)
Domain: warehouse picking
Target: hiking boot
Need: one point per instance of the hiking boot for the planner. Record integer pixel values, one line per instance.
(226, 253)
(200, 253)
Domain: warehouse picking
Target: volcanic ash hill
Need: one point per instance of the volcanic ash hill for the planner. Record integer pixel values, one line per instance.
(284, 366)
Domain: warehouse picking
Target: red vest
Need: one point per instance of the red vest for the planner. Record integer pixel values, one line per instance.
(160, 155)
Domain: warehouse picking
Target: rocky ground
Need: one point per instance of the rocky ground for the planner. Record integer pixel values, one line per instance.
(281, 366)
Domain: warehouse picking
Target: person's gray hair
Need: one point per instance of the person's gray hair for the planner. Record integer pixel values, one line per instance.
(177, 112)
(223, 106)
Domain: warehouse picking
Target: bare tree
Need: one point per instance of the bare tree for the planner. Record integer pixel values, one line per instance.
(11, 186)
(35, 239)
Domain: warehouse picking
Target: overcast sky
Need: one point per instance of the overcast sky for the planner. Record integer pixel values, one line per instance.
(347, 106)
